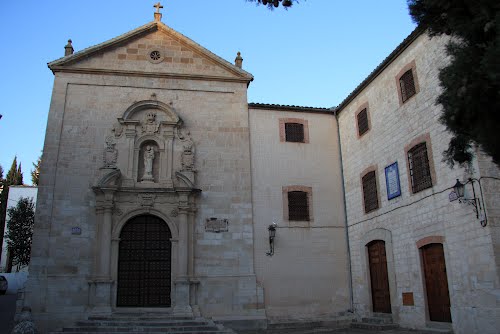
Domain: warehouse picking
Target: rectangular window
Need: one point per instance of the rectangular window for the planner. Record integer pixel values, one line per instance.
(363, 126)
(370, 194)
(420, 172)
(407, 84)
(294, 132)
(298, 206)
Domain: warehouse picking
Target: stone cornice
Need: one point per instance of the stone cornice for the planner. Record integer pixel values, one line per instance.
(94, 71)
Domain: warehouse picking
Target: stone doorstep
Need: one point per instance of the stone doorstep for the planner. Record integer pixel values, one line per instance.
(159, 332)
(144, 323)
(302, 326)
(242, 322)
(374, 326)
(377, 320)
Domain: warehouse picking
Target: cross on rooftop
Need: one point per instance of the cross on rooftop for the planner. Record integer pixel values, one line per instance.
(158, 6)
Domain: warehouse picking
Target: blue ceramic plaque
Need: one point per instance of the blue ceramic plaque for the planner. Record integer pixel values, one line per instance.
(392, 181)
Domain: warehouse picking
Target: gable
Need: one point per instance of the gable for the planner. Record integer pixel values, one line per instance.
(153, 49)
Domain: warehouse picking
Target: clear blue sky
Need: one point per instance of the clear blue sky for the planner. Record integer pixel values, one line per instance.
(314, 54)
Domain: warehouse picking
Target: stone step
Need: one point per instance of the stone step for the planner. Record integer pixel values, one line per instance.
(151, 323)
(377, 320)
(134, 317)
(159, 332)
(146, 329)
(302, 327)
(128, 323)
(430, 330)
(373, 326)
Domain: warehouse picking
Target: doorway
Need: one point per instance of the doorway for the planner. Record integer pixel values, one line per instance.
(144, 263)
(436, 283)
(381, 297)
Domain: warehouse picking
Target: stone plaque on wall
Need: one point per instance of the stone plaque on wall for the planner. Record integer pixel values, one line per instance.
(216, 225)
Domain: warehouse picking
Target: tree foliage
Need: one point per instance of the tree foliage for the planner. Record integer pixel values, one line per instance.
(35, 174)
(470, 84)
(14, 177)
(20, 231)
(271, 4)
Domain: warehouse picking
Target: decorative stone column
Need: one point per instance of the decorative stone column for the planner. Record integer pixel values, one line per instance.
(182, 286)
(101, 285)
(193, 281)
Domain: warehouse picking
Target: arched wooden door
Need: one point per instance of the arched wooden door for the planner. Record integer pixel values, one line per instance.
(381, 297)
(144, 263)
(436, 283)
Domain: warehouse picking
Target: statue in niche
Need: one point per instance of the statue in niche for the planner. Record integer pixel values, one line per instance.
(187, 159)
(110, 154)
(150, 125)
(149, 156)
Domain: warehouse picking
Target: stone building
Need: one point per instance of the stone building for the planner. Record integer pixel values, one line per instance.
(416, 252)
(160, 185)
(15, 194)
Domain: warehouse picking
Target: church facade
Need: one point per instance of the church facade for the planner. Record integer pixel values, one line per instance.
(163, 190)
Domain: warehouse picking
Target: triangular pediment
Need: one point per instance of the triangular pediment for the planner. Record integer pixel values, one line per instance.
(151, 50)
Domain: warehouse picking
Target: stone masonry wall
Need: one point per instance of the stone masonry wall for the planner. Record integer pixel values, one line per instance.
(307, 276)
(403, 221)
(83, 110)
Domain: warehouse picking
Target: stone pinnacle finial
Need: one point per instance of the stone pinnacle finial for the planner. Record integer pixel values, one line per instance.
(158, 6)
(238, 61)
(68, 49)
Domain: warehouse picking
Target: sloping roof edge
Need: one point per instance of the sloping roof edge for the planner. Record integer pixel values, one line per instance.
(289, 108)
(386, 62)
(142, 29)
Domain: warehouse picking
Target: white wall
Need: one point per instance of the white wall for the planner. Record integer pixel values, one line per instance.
(15, 194)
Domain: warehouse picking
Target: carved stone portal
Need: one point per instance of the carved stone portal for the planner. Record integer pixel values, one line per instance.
(110, 154)
(187, 158)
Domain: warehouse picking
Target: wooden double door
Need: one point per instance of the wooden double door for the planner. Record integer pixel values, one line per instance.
(144, 263)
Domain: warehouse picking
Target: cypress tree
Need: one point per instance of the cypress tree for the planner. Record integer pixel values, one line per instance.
(14, 177)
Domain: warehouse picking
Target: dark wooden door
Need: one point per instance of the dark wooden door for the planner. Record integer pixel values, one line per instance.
(436, 283)
(144, 265)
(381, 297)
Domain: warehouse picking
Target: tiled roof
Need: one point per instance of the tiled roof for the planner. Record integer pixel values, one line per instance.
(289, 108)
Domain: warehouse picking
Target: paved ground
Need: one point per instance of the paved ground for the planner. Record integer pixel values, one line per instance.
(7, 310)
(359, 331)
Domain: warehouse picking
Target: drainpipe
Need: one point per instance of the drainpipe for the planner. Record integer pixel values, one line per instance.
(349, 268)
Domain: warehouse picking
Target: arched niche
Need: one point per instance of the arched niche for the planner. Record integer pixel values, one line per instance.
(139, 107)
(149, 124)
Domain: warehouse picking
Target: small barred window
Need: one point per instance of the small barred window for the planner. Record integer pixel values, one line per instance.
(370, 191)
(294, 132)
(363, 126)
(420, 172)
(298, 206)
(407, 84)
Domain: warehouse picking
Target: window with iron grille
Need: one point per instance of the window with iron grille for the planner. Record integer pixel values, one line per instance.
(370, 191)
(294, 132)
(407, 84)
(363, 126)
(298, 206)
(420, 172)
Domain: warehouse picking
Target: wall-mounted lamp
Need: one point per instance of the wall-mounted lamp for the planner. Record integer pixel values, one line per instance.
(272, 234)
(476, 202)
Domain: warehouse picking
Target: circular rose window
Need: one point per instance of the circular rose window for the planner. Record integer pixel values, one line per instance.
(155, 56)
